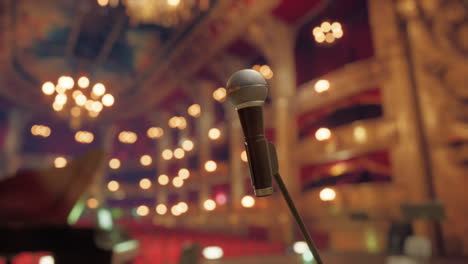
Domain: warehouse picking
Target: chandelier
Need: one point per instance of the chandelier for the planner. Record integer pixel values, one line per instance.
(78, 101)
(161, 12)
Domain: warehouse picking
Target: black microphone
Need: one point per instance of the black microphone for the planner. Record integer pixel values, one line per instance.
(247, 91)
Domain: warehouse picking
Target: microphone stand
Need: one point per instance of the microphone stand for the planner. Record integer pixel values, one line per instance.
(289, 201)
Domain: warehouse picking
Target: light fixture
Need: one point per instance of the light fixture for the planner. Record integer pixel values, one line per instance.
(161, 209)
(177, 182)
(327, 194)
(60, 162)
(214, 133)
(167, 154)
(114, 163)
(322, 86)
(187, 145)
(47, 260)
(84, 137)
(300, 247)
(166, 13)
(179, 153)
(113, 186)
(212, 252)
(155, 132)
(209, 205)
(183, 207)
(360, 134)
(142, 210)
(163, 179)
(327, 32)
(210, 166)
(184, 173)
(264, 70)
(247, 201)
(177, 122)
(146, 160)
(40, 131)
(194, 110)
(65, 87)
(145, 184)
(220, 94)
(175, 210)
(92, 203)
(322, 134)
(128, 137)
(221, 198)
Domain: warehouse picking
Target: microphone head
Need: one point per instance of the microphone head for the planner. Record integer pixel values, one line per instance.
(246, 88)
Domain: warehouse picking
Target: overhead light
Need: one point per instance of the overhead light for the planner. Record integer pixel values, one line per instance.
(212, 252)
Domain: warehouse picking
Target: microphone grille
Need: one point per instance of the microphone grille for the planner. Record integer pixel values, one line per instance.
(246, 86)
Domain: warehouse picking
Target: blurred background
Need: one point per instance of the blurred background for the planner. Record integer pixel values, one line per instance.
(117, 144)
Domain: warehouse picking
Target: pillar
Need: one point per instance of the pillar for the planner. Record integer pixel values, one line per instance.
(276, 40)
(410, 163)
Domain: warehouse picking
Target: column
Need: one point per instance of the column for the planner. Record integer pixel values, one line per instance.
(106, 133)
(204, 123)
(276, 40)
(410, 166)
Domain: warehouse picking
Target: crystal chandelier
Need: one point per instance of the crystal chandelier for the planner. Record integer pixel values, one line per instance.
(78, 100)
(161, 12)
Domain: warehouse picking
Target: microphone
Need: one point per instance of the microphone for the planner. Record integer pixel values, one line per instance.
(247, 91)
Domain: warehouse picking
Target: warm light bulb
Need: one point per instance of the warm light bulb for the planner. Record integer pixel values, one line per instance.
(210, 166)
(161, 209)
(184, 174)
(183, 207)
(108, 100)
(92, 203)
(248, 201)
(209, 205)
(266, 71)
(66, 82)
(177, 182)
(327, 194)
(163, 179)
(322, 134)
(99, 89)
(175, 210)
(83, 82)
(325, 26)
(317, 31)
(48, 88)
(360, 134)
(179, 153)
(75, 111)
(96, 107)
(220, 94)
(329, 38)
(167, 154)
(80, 99)
(194, 110)
(113, 186)
(155, 132)
(60, 89)
(173, 3)
(146, 160)
(114, 163)
(244, 156)
(142, 210)
(145, 184)
(61, 99)
(103, 2)
(60, 162)
(321, 86)
(57, 107)
(214, 133)
(187, 145)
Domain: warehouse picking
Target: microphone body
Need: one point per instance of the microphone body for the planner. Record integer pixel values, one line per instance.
(247, 91)
(256, 146)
